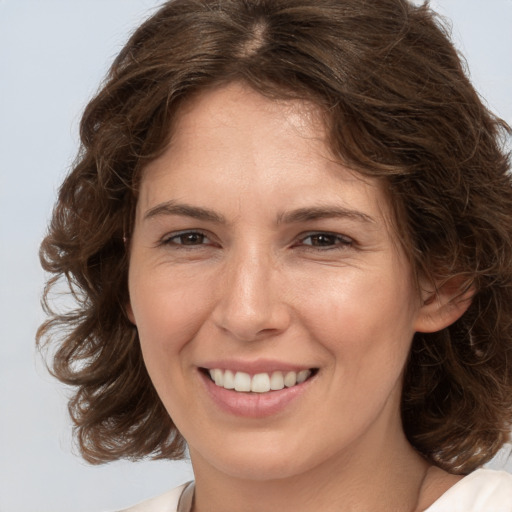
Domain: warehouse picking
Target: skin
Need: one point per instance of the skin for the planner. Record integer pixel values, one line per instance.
(254, 281)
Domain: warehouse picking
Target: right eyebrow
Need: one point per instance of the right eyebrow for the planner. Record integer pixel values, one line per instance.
(184, 210)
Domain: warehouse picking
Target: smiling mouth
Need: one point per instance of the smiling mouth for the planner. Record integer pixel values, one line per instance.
(243, 382)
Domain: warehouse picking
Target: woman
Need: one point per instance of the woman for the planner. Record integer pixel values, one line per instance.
(289, 235)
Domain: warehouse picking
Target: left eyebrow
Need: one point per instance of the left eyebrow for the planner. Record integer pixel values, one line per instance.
(322, 212)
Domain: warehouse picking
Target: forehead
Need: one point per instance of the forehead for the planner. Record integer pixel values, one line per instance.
(256, 147)
(234, 113)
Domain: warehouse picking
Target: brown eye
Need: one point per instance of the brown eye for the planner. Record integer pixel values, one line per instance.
(191, 239)
(187, 238)
(322, 240)
(326, 240)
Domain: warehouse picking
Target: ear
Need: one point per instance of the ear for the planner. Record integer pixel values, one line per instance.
(443, 304)
(129, 313)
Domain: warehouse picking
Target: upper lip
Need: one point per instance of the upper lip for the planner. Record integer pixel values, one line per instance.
(255, 366)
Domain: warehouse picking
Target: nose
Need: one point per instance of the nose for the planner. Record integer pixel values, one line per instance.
(251, 304)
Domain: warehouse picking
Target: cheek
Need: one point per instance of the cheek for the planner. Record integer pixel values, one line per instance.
(168, 312)
(367, 322)
(168, 318)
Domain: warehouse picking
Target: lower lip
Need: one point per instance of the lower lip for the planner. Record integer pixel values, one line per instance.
(253, 405)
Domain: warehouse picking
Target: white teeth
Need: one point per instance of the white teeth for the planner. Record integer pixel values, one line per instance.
(229, 379)
(301, 376)
(259, 383)
(290, 379)
(218, 376)
(277, 381)
(242, 381)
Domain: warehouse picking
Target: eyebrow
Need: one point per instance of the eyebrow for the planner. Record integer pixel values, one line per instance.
(322, 212)
(184, 210)
(288, 217)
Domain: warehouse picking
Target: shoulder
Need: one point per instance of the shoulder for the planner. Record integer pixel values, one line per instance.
(484, 490)
(167, 502)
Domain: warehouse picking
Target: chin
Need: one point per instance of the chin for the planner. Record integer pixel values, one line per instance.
(259, 460)
(260, 469)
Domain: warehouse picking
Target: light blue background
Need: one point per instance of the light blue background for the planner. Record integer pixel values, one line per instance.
(53, 54)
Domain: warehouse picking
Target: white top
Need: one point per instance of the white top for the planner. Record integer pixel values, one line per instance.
(167, 502)
(484, 490)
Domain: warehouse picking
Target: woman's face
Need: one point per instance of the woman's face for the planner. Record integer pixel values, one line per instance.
(257, 258)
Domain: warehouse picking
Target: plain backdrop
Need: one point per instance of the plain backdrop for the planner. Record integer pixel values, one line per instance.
(53, 55)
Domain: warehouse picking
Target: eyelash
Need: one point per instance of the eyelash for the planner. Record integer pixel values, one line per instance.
(337, 241)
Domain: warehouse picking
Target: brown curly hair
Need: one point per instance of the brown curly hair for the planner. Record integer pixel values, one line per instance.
(398, 106)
